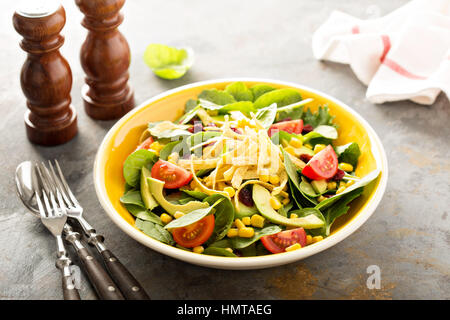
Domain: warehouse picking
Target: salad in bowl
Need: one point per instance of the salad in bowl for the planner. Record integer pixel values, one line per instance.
(247, 170)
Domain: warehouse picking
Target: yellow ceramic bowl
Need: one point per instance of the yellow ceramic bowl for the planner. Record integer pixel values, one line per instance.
(123, 137)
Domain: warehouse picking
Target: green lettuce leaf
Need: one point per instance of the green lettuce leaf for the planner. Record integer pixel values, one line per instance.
(259, 89)
(349, 153)
(239, 91)
(282, 97)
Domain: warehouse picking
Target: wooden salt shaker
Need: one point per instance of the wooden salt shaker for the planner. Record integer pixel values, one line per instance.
(46, 78)
(105, 58)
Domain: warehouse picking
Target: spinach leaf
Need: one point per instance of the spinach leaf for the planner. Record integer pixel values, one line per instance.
(284, 210)
(301, 198)
(282, 97)
(259, 89)
(239, 91)
(249, 251)
(338, 209)
(361, 183)
(189, 115)
(143, 214)
(195, 194)
(321, 117)
(134, 163)
(224, 243)
(349, 153)
(243, 106)
(190, 105)
(168, 62)
(191, 217)
(239, 243)
(155, 231)
(292, 111)
(267, 115)
(132, 197)
(166, 151)
(224, 216)
(215, 96)
(214, 251)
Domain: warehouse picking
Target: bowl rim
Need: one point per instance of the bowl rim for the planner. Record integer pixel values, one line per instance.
(243, 262)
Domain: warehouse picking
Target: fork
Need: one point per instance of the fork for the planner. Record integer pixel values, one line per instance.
(126, 282)
(54, 220)
(101, 281)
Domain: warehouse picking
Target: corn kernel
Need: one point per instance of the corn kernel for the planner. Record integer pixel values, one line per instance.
(319, 147)
(332, 185)
(349, 183)
(243, 122)
(274, 179)
(340, 190)
(229, 250)
(275, 203)
(321, 198)
(264, 178)
(285, 201)
(293, 247)
(246, 221)
(347, 167)
(232, 232)
(308, 239)
(230, 190)
(239, 224)
(257, 221)
(156, 146)
(296, 143)
(193, 184)
(317, 239)
(290, 150)
(293, 216)
(173, 158)
(284, 143)
(178, 214)
(198, 249)
(246, 232)
(165, 218)
(342, 184)
(308, 146)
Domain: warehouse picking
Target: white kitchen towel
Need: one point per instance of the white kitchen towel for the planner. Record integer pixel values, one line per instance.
(403, 55)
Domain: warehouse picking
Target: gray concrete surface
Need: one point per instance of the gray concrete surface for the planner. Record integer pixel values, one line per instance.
(407, 237)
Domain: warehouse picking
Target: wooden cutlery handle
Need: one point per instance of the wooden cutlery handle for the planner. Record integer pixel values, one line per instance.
(102, 282)
(129, 286)
(69, 290)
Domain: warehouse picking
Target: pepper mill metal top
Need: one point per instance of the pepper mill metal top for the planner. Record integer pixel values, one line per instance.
(46, 78)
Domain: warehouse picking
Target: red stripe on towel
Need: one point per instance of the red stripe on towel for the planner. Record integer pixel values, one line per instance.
(394, 66)
(386, 46)
(355, 30)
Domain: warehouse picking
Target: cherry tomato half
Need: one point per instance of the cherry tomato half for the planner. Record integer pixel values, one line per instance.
(145, 144)
(194, 234)
(293, 126)
(174, 177)
(323, 165)
(278, 242)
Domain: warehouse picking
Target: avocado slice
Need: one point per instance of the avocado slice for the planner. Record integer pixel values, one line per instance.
(320, 186)
(261, 197)
(146, 196)
(245, 211)
(156, 189)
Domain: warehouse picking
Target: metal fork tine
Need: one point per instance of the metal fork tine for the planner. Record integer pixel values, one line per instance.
(40, 205)
(64, 183)
(60, 190)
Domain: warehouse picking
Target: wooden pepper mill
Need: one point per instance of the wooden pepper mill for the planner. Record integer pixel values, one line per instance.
(46, 78)
(105, 58)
